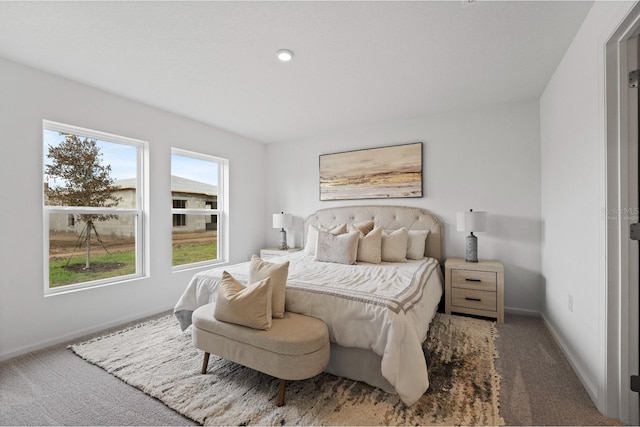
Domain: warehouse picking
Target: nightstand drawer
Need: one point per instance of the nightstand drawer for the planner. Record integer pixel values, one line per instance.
(478, 280)
(478, 300)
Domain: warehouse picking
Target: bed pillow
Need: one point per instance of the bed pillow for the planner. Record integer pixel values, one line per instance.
(370, 246)
(312, 241)
(363, 227)
(342, 248)
(247, 306)
(417, 243)
(394, 245)
(312, 236)
(260, 269)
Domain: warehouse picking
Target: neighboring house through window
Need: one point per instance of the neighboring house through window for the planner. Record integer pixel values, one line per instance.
(198, 188)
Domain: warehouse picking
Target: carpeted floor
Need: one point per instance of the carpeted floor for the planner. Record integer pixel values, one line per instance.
(160, 360)
(55, 387)
(538, 385)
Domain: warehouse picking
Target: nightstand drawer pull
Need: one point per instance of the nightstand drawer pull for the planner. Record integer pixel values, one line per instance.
(472, 280)
(472, 299)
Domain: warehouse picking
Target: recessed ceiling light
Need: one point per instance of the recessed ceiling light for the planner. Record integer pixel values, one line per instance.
(284, 55)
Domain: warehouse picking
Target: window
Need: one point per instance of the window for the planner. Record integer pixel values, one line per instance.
(93, 214)
(179, 220)
(197, 190)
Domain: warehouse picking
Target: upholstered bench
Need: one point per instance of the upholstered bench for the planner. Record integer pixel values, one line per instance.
(295, 348)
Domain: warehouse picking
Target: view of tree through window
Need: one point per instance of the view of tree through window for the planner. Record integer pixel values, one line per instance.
(195, 180)
(92, 207)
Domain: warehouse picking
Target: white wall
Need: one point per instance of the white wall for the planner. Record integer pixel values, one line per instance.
(27, 319)
(484, 160)
(573, 165)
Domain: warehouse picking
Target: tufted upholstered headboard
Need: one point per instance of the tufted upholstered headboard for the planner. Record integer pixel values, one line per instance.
(389, 217)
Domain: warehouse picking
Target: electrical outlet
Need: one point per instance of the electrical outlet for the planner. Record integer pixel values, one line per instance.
(570, 304)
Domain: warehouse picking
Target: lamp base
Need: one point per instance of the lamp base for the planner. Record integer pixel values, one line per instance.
(283, 240)
(471, 248)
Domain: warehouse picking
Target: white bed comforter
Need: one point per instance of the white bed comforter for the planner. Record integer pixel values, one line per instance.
(385, 308)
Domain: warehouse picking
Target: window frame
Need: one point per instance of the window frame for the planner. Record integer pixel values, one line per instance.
(220, 211)
(139, 211)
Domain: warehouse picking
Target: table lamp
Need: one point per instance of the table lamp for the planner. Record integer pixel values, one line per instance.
(282, 220)
(472, 222)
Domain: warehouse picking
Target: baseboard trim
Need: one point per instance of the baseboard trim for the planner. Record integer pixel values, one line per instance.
(70, 337)
(522, 311)
(572, 359)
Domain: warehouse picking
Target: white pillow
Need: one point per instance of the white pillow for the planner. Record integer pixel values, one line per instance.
(370, 246)
(394, 245)
(417, 243)
(247, 306)
(312, 236)
(260, 269)
(342, 248)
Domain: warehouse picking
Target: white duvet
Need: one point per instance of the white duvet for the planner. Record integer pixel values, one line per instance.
(384, 307)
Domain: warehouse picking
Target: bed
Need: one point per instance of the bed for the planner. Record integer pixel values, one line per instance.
(378, 314)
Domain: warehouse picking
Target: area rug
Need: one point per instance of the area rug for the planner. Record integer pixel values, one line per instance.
(159, 359)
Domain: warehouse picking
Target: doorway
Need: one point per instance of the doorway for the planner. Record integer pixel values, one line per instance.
(631, 216)
(623, 257)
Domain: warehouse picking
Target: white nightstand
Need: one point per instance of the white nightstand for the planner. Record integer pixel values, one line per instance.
(474, 288)
(274, 252)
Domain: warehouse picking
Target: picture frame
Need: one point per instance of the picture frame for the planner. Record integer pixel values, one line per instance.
(393, 171)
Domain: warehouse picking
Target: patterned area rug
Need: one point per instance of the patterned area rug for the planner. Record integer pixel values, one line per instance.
(159, 359)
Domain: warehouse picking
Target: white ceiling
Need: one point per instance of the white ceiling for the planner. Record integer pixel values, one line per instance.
(355, 62)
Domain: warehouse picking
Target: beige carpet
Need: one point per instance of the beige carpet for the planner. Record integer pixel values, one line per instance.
(159, 359)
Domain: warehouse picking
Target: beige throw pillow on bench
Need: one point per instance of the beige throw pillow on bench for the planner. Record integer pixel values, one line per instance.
(247, 306)
(260, 269)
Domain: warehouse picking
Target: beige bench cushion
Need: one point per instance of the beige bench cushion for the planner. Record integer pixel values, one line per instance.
(292, 335)
(295, 348)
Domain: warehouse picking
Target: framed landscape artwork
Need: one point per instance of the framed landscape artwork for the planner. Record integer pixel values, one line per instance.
(376, 173)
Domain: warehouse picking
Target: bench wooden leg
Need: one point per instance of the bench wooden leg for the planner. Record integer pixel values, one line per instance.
(205, 363)
(281, 390)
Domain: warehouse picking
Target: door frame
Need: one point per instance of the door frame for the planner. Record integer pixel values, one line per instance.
(621, 307)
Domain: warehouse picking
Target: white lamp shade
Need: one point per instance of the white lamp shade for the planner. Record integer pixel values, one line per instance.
(282, 220)
(471, 221)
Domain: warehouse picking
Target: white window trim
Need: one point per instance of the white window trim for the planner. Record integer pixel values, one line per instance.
(221, 211)
(139, 212)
